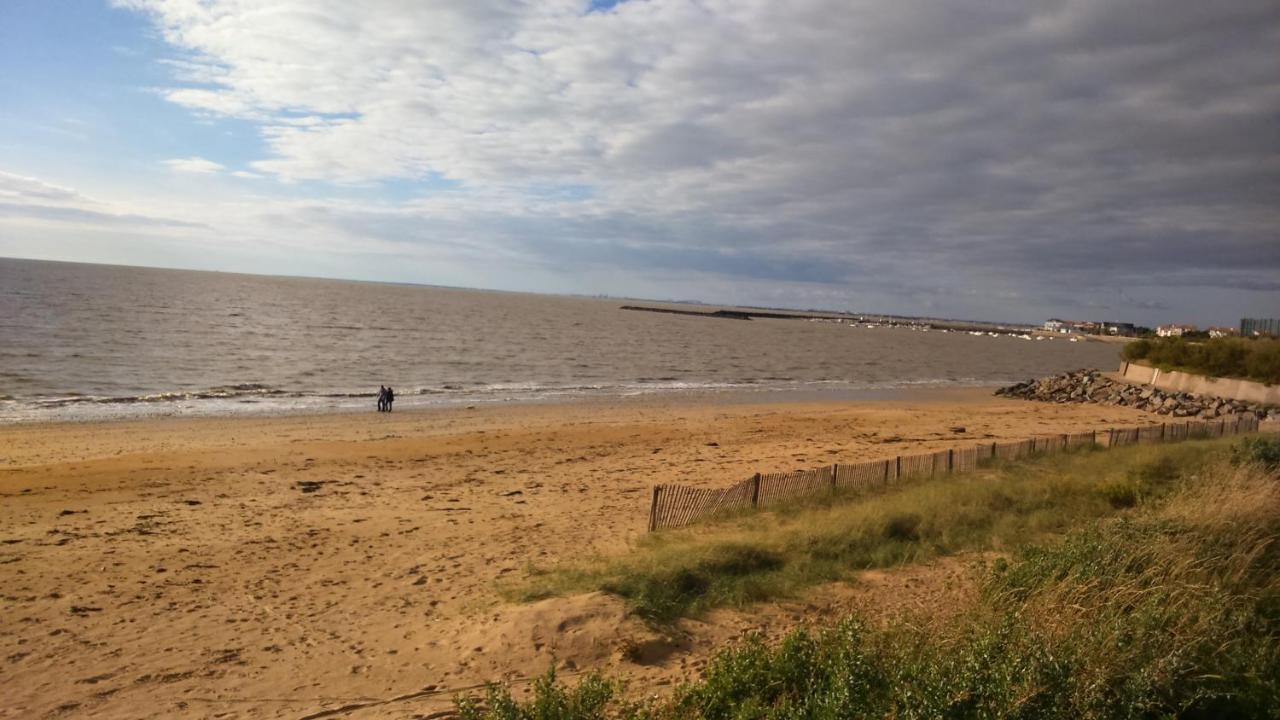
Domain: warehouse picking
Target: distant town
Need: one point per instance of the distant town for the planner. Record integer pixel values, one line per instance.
(1249, 327)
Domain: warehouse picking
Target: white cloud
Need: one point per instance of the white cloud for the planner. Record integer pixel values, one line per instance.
(194, 165)
(29, 200)
(22, 189)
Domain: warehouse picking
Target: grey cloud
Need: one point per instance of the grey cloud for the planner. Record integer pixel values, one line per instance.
(912, 150)
(677, 146)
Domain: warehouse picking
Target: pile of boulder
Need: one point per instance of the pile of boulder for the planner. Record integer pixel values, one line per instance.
(1089, 386)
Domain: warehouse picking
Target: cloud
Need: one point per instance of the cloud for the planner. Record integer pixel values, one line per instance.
(1053, 148)
(82, 216)
(28, 198)
(22, 189)
(194, 165)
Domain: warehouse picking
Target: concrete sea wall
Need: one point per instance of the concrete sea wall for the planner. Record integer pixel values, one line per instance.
(1181, 382)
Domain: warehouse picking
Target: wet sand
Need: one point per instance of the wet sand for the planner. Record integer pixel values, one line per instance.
(283, 566)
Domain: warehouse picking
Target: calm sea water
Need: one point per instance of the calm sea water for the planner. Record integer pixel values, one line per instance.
(92, 341)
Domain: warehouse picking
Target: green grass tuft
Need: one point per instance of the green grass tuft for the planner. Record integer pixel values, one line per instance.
(590, 699)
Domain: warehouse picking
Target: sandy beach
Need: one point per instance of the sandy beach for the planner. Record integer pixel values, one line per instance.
(287, 566)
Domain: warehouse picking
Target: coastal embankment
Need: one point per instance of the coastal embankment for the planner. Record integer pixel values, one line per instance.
(1178, 382)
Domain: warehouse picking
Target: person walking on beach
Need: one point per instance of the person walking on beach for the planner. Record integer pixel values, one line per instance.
(382, 398)
(391, 397)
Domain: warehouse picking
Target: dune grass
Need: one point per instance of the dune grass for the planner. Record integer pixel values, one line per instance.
(1170, 609)
(767, 555)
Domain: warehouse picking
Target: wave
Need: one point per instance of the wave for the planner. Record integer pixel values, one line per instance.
(215, 393)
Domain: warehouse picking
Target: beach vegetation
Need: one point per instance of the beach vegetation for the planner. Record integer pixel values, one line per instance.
(1168, 610)
(1255, 359)
(1260, 450)
(764, 555)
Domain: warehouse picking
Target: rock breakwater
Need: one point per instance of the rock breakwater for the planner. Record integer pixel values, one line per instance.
(1089, 386)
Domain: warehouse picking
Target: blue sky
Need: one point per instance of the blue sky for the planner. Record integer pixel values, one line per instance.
(1067, 158)
(79, 100)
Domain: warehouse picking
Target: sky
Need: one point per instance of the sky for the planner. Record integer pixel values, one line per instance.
(1009, 160)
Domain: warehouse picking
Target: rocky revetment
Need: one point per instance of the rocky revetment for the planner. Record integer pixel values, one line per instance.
(1090, 386)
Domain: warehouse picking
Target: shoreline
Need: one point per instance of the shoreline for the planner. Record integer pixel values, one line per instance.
(148, 563)
(811, 392)
(370, 425)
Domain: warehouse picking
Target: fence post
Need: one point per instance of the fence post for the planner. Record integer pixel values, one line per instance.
(653, 510)
(951, 460)
(1162, 431)
(755, 490)
(835, 470)
(897, 475)
(1094, 432)
(886, 472)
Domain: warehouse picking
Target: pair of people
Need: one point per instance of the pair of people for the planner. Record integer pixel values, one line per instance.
(386, 396)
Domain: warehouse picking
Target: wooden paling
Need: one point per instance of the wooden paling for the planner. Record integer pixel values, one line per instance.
(673, 506)
(861, 476)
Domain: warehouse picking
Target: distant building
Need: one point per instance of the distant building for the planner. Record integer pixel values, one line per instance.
(1250, 327)
(1221, 332)
(1058, 326)
(1175, 330)
(1071, 326)
(1119, 328)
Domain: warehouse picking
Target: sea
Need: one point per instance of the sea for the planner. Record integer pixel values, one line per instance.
(91, 342)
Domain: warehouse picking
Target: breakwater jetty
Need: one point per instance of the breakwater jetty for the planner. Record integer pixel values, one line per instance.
(843, 318)
(726, 314)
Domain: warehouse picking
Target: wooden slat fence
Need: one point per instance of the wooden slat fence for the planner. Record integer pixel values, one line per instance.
(781, 487)
(860, 476)
(915, 465)
(964, 459)
(1084, 438)
(674, 506)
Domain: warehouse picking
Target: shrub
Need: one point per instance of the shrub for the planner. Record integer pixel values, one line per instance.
(1121, 494)
(1137, 350)
(1264, 362)
(1264, 451)
(904, 527)
(1253, 358)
